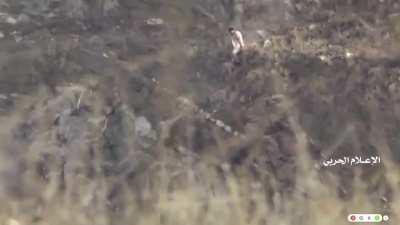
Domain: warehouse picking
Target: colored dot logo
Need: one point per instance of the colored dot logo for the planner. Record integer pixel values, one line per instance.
(366, 218)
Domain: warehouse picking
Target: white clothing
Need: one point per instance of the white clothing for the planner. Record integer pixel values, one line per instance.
(237, 42)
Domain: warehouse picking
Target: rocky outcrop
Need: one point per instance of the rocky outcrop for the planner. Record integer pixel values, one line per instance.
(104, 96)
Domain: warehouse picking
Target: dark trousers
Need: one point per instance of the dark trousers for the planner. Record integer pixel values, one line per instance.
(237, 58)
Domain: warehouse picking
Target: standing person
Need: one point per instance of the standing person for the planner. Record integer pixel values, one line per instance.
(237, 43)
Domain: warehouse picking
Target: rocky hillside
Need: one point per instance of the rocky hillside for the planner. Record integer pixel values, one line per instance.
(115, 111)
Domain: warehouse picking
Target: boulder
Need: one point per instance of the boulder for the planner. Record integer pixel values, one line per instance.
(142, 126)
(154, 22)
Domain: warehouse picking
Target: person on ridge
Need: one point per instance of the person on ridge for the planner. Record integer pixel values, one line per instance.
(237, 43)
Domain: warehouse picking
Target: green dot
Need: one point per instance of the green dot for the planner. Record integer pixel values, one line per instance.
(377, 217)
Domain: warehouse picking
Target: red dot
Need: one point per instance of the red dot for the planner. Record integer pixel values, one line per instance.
(353, 217)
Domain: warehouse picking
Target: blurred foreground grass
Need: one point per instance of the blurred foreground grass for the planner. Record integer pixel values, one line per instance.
(201, 199)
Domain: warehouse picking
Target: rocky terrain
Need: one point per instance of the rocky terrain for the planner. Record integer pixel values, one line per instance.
(130, 111)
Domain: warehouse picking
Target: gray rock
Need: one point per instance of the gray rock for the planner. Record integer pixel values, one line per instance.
(274, 99)
(228, 129)
(11, 20)
(312, 26)
(18, 38)
(219, 123)
(70, 128)
(145, 134)
(155, 22)
(392, 88)
(51, 15)
(23, 18)
(3, 97)
(96, 41)
(262, 34)
(142, 126)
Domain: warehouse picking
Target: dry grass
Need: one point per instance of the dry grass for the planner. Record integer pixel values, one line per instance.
(171, 189)
(199, 196)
